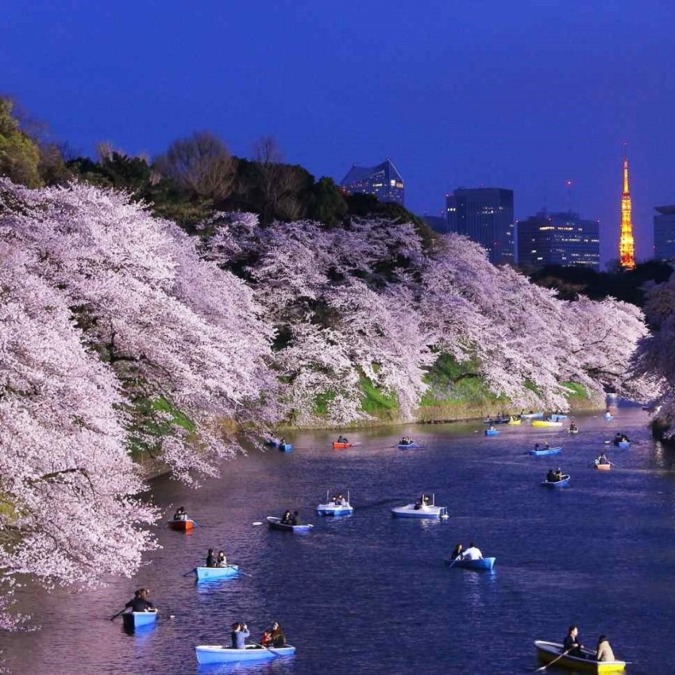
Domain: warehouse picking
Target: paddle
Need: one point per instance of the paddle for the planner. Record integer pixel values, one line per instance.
(550, 663)
(269, 649)
(192, 571)
(114, 616)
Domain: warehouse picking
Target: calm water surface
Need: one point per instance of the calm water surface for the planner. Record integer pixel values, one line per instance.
(370, 593)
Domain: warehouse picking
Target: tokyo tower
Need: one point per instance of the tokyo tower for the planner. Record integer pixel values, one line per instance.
(626, 241)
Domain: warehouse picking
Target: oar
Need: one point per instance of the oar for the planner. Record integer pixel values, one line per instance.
(114, 616)
(269, 649)
(550, 663)
(192, 571)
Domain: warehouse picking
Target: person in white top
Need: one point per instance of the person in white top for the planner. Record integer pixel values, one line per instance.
(472, 553)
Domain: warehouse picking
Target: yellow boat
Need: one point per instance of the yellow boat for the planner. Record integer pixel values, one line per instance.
(547, 652)
(546, 423)
(514, 420)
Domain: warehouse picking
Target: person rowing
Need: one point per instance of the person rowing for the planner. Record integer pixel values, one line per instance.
(603, 459)
(210, 558)
(571, 644)
(181, 514)
(472, 553)
(140, 602)
(286, 518)
(342, 439)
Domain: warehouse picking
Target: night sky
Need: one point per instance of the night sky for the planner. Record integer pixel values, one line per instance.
(521, 94)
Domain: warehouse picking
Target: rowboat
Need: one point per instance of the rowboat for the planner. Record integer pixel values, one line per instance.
(602, 467)
(492, 432)
(546, 423)
(335, 507)
(557, 417)
(285, 447)
(276, 524)
(341, 446)
(219, 654)
(480, 564)
(496, 420)
(514, 420)
(408, 446)
(557, 483)
(609, 416)
(545, 452)
(531, 416)
(624, 445)
(139, 619)
(573, 430)
(272, 442)
(550, 651)
(420, 510)
(213, 573)
(181, 525)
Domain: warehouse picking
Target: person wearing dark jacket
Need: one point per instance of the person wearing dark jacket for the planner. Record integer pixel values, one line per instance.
(210, 559)
(140, 602)
(571, 644)
(278, 637)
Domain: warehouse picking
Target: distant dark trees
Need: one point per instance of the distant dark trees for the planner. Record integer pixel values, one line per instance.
(629, 286)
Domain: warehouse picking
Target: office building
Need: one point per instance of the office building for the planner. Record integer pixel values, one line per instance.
(558, 239)
(664, 233)
(383, 181)
(484, 215)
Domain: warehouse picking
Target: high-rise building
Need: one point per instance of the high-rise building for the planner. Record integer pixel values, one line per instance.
(383, 181)
(626, 241)
(486, 216)
(664, 233)
(558, 239)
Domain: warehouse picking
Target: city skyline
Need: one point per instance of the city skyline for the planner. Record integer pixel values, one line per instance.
(525, 98)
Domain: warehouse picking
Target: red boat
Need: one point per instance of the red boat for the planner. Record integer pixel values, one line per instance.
(181, 525)
(341, 446)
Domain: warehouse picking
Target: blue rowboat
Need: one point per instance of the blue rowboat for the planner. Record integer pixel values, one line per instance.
(285, 447)
(624, 445)
(138, 619)
(557, 483)
(497, 420)
(275, 523)
(491, 432)
(213, 573)
(557, 417)
(408, 446)
(219, 654)
(480, 564)
(532, 415)
(545, 452)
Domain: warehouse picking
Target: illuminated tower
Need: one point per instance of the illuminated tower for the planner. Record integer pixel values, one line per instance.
(626, 241)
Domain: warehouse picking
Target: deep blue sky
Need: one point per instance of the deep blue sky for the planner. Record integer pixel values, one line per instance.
(524, 94)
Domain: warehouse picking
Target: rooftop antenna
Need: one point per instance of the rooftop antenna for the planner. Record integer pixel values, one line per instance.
(569, 196)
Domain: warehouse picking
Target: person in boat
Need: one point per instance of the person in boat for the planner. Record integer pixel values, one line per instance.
(536, 447)
(295, 518)
(342, 439)
(221, 560)
(140, 602)
(456, 552)
(550, 476)
(573, 427)
(572, 644)
(239, 634)
(547, 446)
(266, 638)
(491, 427)
(472, 553)
(181, 514)
(286, 518)
(278, 637)
(282, 441)
(425, 499)
(210, 558)
(338, 499)
(558, 474)
(602, 459)
(603, 651)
